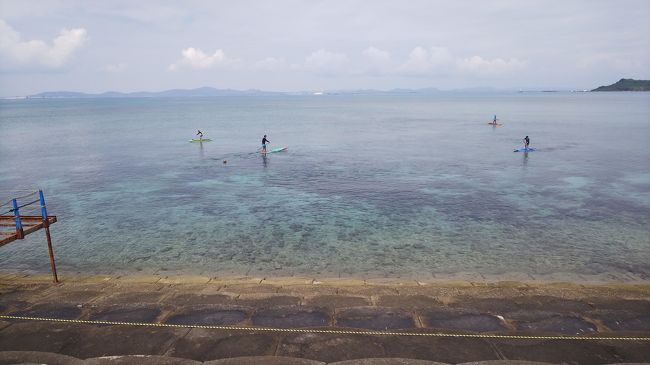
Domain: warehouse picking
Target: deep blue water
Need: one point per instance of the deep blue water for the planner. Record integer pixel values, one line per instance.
(372, 186)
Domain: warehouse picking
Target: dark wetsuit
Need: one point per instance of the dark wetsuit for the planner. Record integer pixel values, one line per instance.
(264, 142)
(526, 141)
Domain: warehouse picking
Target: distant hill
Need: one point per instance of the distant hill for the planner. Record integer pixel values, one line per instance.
(626, 85)
(202, 91)
(60, 94)
(209, 92)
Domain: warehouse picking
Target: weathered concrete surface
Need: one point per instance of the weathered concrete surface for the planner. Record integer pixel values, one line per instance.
(201, 344)
(333, 302)
(44, 358)
(37, 357)
(330, 347)
(387, 361)
(345, 304)
(558, 352)
(442, 349)
(259, 360)
(463, 320)
(98, 341)
(139, 360)
(40, 336)
(125, 313)
(208, 315)
(505, 362)
(375, 318)
(291, 317)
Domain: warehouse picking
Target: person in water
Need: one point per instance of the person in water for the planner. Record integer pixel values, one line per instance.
(494, 121)
(526, 142)
(200, 134)
(264, 142)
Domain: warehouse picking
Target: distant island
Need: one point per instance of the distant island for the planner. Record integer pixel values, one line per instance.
(210, 91)
(626, 85)
(622, 85)
(202, 91)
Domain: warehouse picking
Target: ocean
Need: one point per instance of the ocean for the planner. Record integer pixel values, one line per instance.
(372, 186)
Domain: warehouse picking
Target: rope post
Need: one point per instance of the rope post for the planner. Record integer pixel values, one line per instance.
(20, 234)
(46, 225)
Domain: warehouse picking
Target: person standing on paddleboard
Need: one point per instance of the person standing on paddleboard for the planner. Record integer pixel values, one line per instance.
(264, 142)
(526, 142)
(200, 134)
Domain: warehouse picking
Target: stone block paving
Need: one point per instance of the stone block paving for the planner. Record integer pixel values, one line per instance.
(397, 307)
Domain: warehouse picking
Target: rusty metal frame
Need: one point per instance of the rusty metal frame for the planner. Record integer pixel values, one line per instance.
(25, 224)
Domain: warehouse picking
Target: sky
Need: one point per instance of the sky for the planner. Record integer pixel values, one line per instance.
(290, 45)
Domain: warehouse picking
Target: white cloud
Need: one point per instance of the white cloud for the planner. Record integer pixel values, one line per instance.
(376, 60)
(196, 59)
(427, 61)
(325, 62)
(37, 54)
(271, 64)
(625, 64)
(481, 66)
(439, 60)
(115, 68)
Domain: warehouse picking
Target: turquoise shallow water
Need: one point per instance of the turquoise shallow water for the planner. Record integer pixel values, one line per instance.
(372, 186)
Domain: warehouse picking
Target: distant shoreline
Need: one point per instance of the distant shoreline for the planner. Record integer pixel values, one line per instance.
(206, 91)
(162, 95)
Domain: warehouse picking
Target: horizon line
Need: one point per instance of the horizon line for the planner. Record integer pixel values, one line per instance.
(312, 91)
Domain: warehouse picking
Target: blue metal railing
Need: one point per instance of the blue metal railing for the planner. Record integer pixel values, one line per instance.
(15, 210)
(29, 223)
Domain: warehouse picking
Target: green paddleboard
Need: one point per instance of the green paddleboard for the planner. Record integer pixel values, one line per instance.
(279, 149)
(200, 140)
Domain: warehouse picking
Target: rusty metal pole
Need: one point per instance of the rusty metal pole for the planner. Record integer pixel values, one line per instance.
(46, 225)
(49, 247)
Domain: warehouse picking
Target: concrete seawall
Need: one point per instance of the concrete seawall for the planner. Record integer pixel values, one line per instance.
(323, 321)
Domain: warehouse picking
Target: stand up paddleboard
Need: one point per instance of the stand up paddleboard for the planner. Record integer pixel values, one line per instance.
(495, 124)
(524, 149)
(279, 149)
(200, 140)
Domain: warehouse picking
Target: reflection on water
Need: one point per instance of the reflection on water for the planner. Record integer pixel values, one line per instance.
(371, 186)
(525, 158)
(201, 151)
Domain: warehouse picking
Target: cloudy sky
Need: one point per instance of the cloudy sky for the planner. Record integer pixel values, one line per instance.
(96, 46)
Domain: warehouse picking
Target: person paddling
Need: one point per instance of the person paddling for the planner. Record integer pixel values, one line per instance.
(264, 142)
(200, 134)
(526, 142)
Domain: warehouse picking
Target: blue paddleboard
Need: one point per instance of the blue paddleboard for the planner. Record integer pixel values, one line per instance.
(529, 149)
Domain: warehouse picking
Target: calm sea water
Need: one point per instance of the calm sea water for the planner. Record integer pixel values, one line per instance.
(372, 186)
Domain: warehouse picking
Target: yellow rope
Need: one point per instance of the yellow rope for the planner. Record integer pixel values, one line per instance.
(330, 331)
